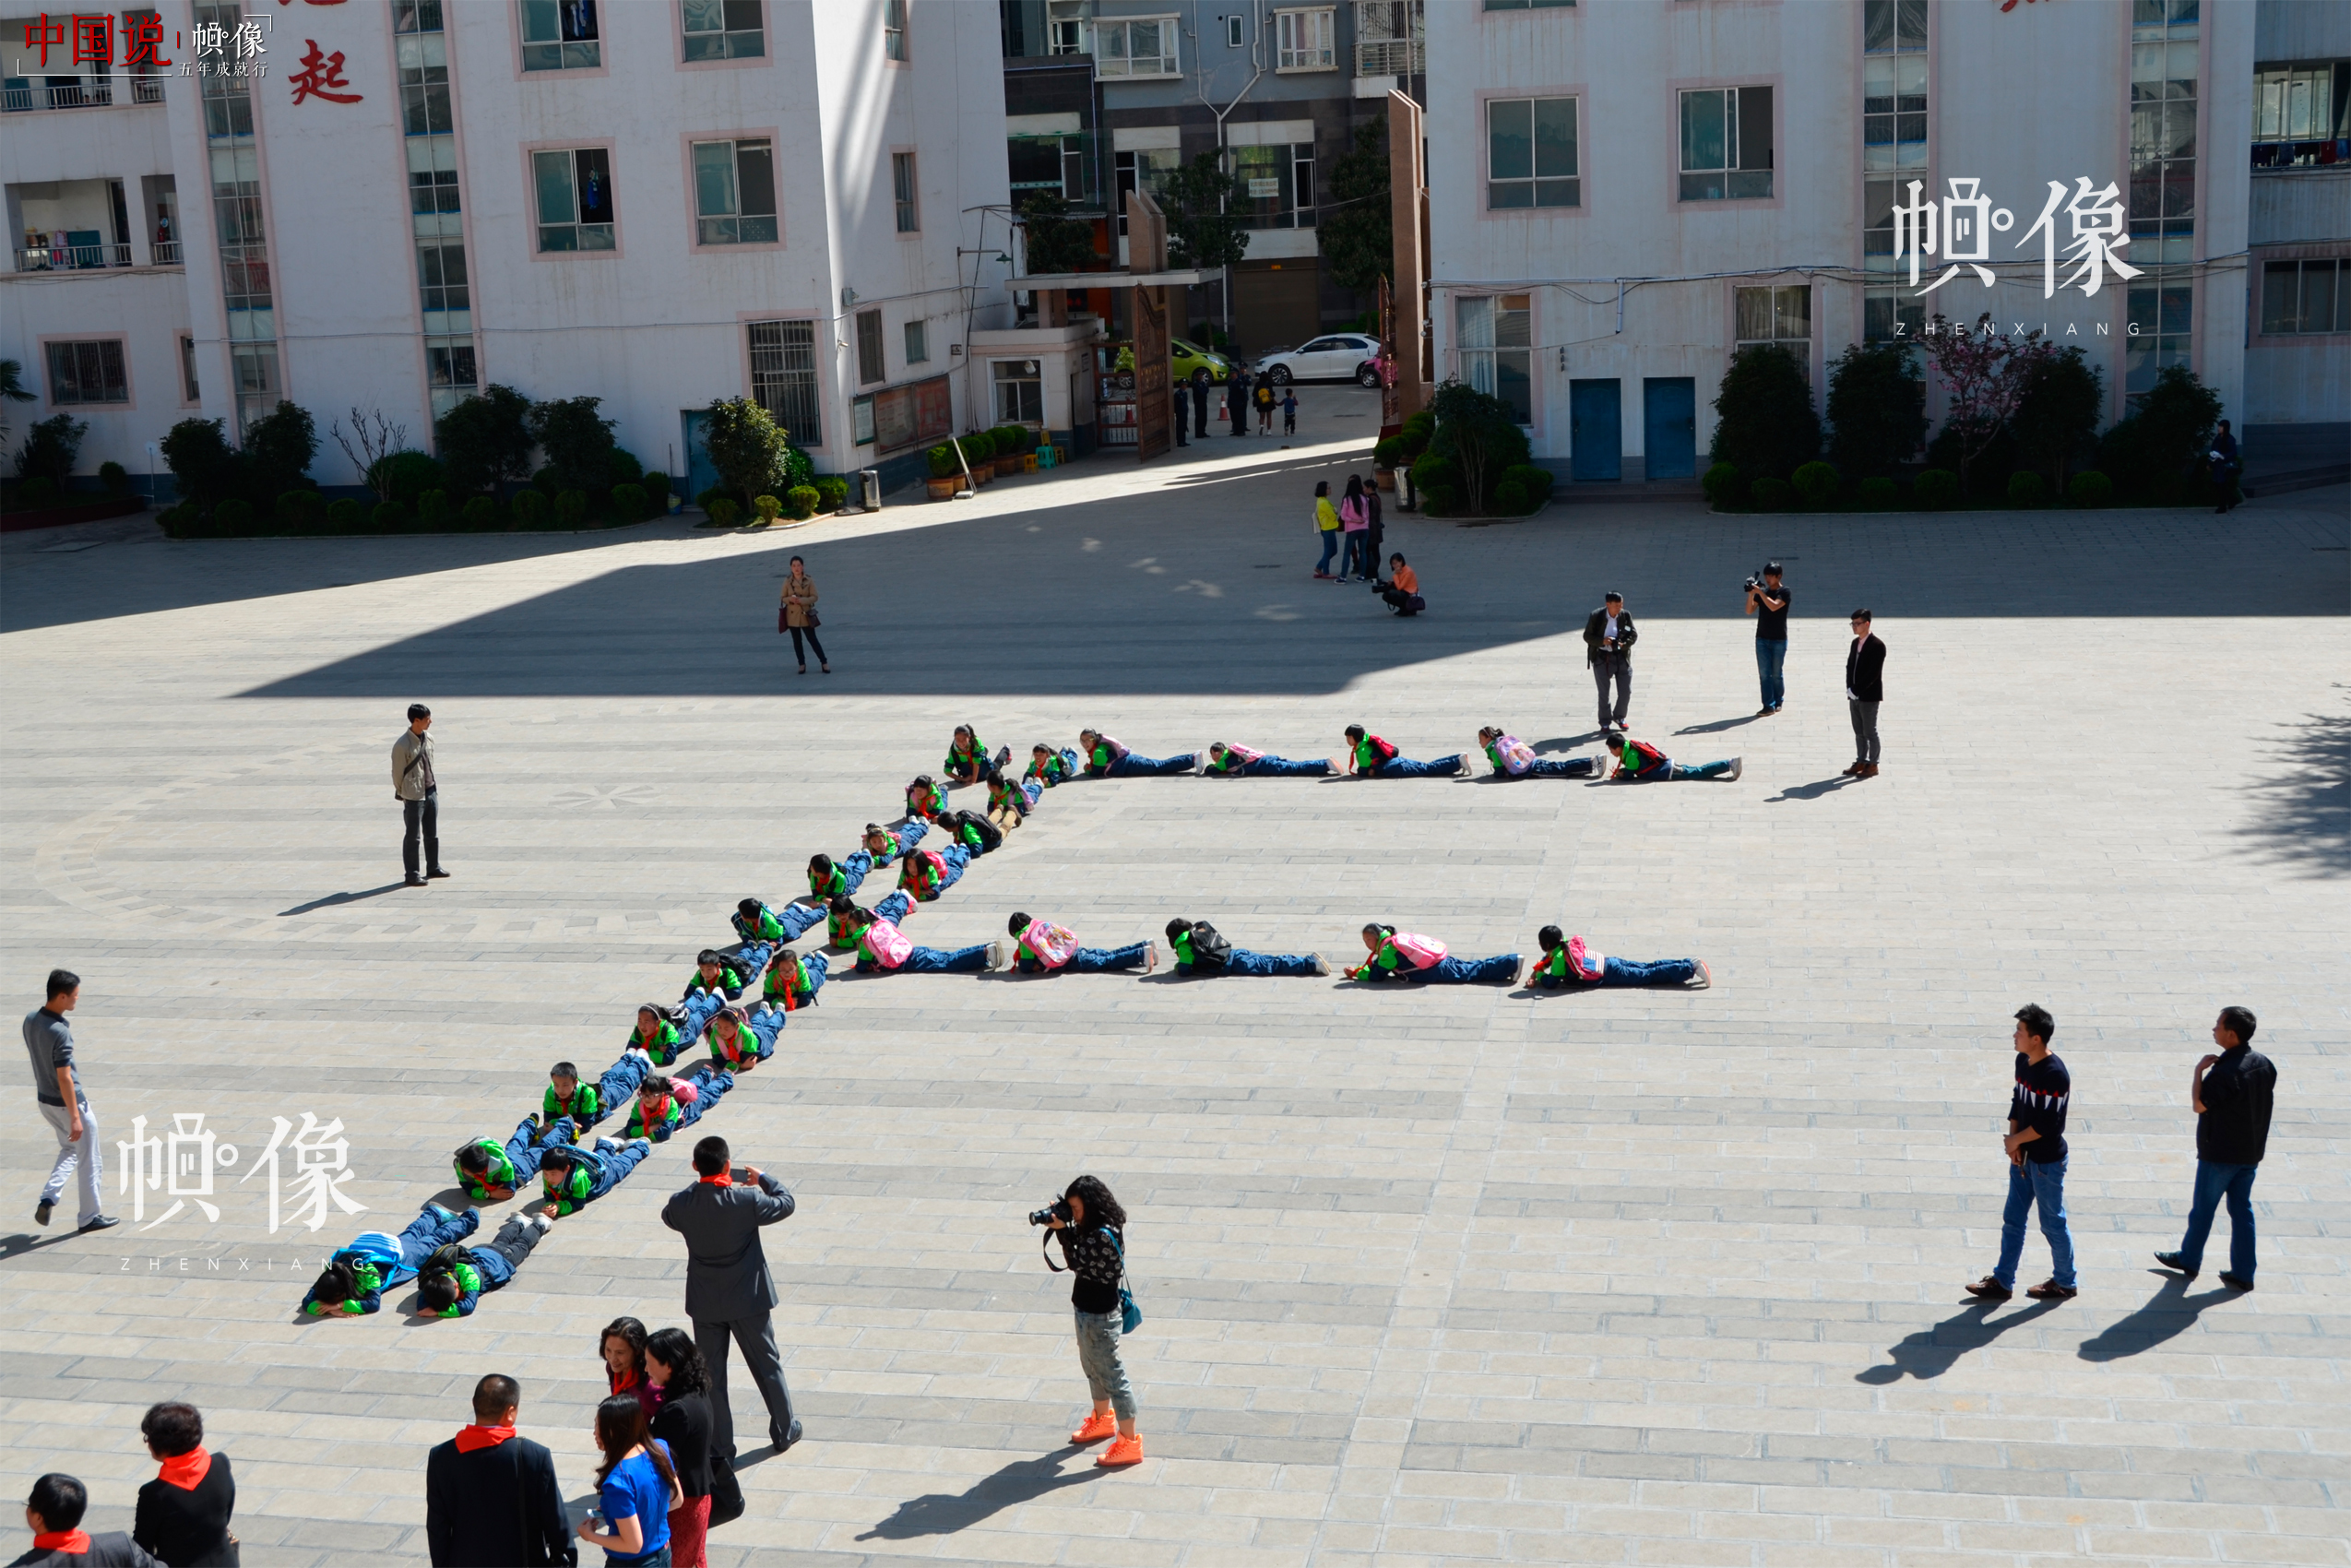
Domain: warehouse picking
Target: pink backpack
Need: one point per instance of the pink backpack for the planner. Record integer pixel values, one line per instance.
(1246, 754)
(1588, 966)
(1422, 952)
(1517, 754)
(890, 945)
(1053, 944)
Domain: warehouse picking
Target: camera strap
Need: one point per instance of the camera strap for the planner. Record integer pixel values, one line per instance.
(1045, 1245)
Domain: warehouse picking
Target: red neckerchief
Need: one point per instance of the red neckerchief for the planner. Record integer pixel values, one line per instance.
(623, 1382)
(62, 1541)
(725, 1178)
(478, 1436)
(186, 1470)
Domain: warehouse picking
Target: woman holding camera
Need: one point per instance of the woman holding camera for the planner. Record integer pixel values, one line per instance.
(1091, 1229)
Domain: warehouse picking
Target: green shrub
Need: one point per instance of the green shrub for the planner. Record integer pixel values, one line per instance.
(205, 468)
(1816, 483)
(832, 493)
(1765, 420)
(629, 503)
(169, 520)
(299, 511)
(2026, 488)
(1532, 483)
(978, 447)
(345, 515)
(2163, 441)
(528, 508)
(1510, 500)
(548, 481)
(1438, 478)
(50, 448)
(1876, 407)
(481, 514)
(233, 518)
(577, 441)
(753, 453)
(800, 502)
(622, 465)
(571, 508)
(1723, 486)
(717, 492)
(723, 513)
(1771, 494)
(485, 439)
(2089, 488)
(387, 517)
(1879, 494)
(943, 463)
(655, 485)
(34, 492)
(401, 477)
(1391, 452)
(1936, 488)
(1479, 434)
(115, 478)
(433, 511)
(278, 448)
(767, 508)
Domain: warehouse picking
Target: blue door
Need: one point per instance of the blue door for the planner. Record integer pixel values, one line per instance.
(1595, 430)
(700, 475)
(1669, 426)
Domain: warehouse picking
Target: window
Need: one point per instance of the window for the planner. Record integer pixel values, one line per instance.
(1277, 185)
(1885, 310)
(432, 193)
(575, 188)
(1494, 334)
(2162, 316)
(1526, 5)
(424, 84)
(1065, 26)
(1894, 112)
(724, 29)
(1891, 27)
(1051, 164)
(1782, 316)
(188, 392)
(2305, 296)
(1136, 48)
(1304, 40)
(735, 193)
(1530, 153)
(450, 368)
(2163, 130)
(902, 191)
(870, 367)
(1236, 32)
(1020, 392)
(88, 372)
(1725, 143)
(1878, 198)
(416, 16)
(1146, 169)
(894, 29)
(440, 274)
(2298, 110)
(559, 35)
(917, 343)
(783, 377)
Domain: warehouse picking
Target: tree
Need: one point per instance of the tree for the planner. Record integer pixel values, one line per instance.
(373, 438)
(1985, 374)
(576, 440)
(51, 445)
(2151, 452)
(1764, 424)
(485, 440)
(751, 451)
(278, 449)
(1054, 241)
(1202, 230)
(1356, 228)
(2058, 417)
(1877, 408)
(12, 391)
(1477, 436)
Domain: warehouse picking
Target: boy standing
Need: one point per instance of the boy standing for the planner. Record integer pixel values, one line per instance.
(1289, 412)
(2036, 1150)
(2233, 1093)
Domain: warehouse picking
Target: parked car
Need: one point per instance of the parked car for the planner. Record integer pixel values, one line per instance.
(1337, 356)
(1190, 361)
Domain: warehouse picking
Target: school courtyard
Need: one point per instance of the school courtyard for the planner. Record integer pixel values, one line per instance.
(1453, 1275)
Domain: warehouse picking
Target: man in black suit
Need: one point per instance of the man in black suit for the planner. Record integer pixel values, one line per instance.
(1199, 407)
(1608, 649)
(490, 1499)
(1865, 687)
(729, 1293)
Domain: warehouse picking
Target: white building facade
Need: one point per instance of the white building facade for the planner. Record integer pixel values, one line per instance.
(651, 202)
(1623, 195)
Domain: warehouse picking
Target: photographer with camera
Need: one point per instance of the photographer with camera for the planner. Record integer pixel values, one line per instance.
(1091, 1229)
(1767, 600)
(729, 1295)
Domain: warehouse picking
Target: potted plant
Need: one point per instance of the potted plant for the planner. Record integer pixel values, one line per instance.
(1397, 451)
(946, 473)
(980, 451)
(1012, 444)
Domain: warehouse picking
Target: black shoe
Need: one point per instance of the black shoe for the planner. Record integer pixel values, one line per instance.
(437, 872)
(2236, 1282)
(42, 1211)
(2051, 1291)
(1989, 1290)
(785, 1440)
(107, 1221)
(2171, 1261)
(416, 882)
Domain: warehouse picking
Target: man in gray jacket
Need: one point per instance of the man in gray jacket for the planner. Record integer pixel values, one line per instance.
(419, 796)
(729, 1292)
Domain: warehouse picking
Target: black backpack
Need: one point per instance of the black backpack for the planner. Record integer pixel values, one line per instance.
(1209, 949)
(968, 826)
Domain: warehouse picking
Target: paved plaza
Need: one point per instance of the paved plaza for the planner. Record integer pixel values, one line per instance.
(1464, 1273)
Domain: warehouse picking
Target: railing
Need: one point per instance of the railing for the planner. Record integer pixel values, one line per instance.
(147, 89)
(72, 259)
(2305, 154)
(167, 253)
(1390, 38)
(95, 93)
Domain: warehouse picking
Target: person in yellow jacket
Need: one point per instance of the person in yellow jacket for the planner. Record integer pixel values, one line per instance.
(1326, 523)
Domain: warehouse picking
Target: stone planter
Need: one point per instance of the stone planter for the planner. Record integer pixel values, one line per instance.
(1384, 478)
(983, 474)
(942, 489)
(1006, 467)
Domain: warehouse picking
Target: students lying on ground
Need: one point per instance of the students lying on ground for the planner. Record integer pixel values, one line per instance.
(841, 916)
(1105, 758)
(1568, 962)
(889, 846)
(1201, 949)
(792, 981)
(489, 1172)
(666, 1105)
(1371, 757)
(455, 1276)
(1638, 761)
(1513, 758)
(971, 831)
(1048, 767)
(724, 973)
(356, 1278)
(583, 1105)
(926, 874)
(1402, 589)
(755, 921)
(967, 756)
(828, 878)
(655, 1034)
(1403, 955)
(741, 1040)
(1010, 800)
(1042, 948)
(925, 799)
(573, 1178)
(1229, 761)
(883, 948)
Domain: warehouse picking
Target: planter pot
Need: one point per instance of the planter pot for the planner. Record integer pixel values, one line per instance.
(1384, 478)
(983, 474)
(1008, 466)
(942, 489)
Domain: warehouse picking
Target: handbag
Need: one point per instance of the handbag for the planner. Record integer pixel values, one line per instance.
(783, 620)
(1130, 1316)
(814, 620)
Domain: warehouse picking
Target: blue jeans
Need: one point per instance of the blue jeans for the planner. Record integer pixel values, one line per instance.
(1770, 658)
(1097, 1355)
(942, 961)
(1330, 548)
(1244, 962)
(429, 1230)
(1133, 766)
(956, 857)
(1094, 960)
(1700, 771)
(618, 1085)
(1659, 972)
(2028, 1184)
(1282, 767)
(1356, 560)
(529, 1147)
(749, 960)
(894, 907)
(1405, 767)
(1561, 767)
(1450, 971)
(612, 1165)
(2214, 1182)
(658, 1557)
(701, 1006)
(1069, 766)
(506, 1252)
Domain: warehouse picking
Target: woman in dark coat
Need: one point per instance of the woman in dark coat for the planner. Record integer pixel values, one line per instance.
(682, 1419)
(183, 1515)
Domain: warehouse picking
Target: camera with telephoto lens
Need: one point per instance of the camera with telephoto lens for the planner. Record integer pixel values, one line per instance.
(1059, 1211)
(1755, 582)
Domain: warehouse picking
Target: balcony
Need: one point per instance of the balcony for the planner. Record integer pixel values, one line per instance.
(147, 89)
(1390, 39)
(2325, 152)
(167, 253)
(73, 252)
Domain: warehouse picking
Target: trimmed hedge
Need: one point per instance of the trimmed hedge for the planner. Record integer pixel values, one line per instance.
(2028, 488)
(800, 502)
(1937, 488)
(832, 493)
(2089, 488)
(1817, 483)
(767, 507)
(1722, 485)
(1771, 494)
(1879, 495)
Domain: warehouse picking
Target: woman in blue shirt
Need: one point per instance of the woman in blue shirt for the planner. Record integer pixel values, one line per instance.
(637, 1487)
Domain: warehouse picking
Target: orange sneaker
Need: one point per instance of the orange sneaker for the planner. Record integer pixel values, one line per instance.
(1125, 1451)
(1097, 1427)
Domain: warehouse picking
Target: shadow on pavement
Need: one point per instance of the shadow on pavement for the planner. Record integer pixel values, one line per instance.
(2169, 1313)
(942, 1513)
(333, 898)
(1931, 1352)
(1811, 791)
(2302, 797)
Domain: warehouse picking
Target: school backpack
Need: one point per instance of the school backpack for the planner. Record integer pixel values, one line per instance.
(1517, 754)
(889, 943)
(971, 825)
(1209, 949)
(1586, 964)
(1053, 944)
(1421, 952)
(1381, 749)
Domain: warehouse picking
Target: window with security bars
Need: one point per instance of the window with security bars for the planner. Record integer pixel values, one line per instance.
(423, 63)
(1531, 153)
(734, 192)
(1303, 40)
(724, 29)
(2305, 296)
(1493, 334)
(783, 377)
(88, 372)
(188, 391)
(2163, 130)
(441, 278)
(574, 193)
(1725, 143)
(1020, 392)
(871, 366)
(560, 35)
(902, 192)
(1782, 315)
(449, 367)
(2301, 114)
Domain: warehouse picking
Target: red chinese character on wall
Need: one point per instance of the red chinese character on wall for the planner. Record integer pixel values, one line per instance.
(93, 41)
(142, 41)
(319, 72)
(41, 34)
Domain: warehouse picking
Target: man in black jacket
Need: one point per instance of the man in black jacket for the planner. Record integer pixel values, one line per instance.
(53, 1515)
(729, 1292)
(490, 1499)
(1865, 687)
(2233, 1092)
(1608, 649)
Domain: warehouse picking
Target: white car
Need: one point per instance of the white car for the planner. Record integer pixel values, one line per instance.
(1337, 356)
